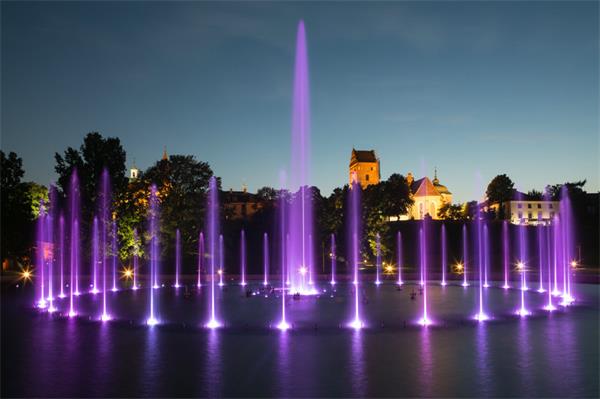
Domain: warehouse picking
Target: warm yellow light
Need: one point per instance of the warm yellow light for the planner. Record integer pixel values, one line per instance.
(389, 268)
(459, 266)
(520, 265)
(573, 263)
(127, 273)
(219, 271)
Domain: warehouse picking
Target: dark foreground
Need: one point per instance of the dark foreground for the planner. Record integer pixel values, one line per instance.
(542, 355)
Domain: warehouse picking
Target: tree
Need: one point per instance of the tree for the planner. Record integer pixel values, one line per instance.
(182, 183)
(452, 212)
(17, 201)
(267, 194)
(500, 190)
(535, 195)
(574, 189)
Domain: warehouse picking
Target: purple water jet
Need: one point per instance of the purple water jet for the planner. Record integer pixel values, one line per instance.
(378, 259)
(41, 255)
(540, 242)
(300, 256)
(73, 270)
(74, 223)
(444, 255)
(243, 257)
(213, 233)
(424, 320)
(283, 324)
(95, 256)
(177, 257)
(505, 256)
(333, 260)
(465, 250)
(522, 268)
(355, 228)
(104, 214)
(221, 260)
(115, 253)
(399, 255)
(486, 255)
(62, 255)
(153, 220)
(136, 266)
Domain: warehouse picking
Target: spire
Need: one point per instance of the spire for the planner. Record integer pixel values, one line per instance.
(165, 157)
(435, 179)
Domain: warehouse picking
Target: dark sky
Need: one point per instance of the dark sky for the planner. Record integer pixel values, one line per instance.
(474, 88)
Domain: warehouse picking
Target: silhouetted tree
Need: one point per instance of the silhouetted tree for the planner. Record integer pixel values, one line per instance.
(500, 190)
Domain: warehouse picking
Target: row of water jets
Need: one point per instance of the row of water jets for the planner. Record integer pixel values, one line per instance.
(553, 245)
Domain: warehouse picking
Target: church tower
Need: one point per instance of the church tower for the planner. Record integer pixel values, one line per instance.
(364, 168)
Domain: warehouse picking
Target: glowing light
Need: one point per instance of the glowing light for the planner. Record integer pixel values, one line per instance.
(94, 291)
(72, 313)
(357, 324)
(424, 321)
(520, 266)
(26, 276)
(303, 270)
(549, 307)
(212, 324)
(481, 316)
(506, 286)
(51, 309)
(127, 273)
(42, 304)
(283, 325)
(151, 321)
(105, 317)
(573, 264)
(523, 312)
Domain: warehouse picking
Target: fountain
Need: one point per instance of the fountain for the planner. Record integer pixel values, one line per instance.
(115, 252)
(153, 230)
(221, 261)
(73, 269)
(424, 320)
(444, 256)
(540, 241)
(333, 260)
(566, 232)
(177, 257)
(212, 226)
(283, 324)
(266, 259)
(95, 255)
(486, 255)
(61, 233)
(505, 256)
(41, 223)
(378, 262)
(481, 260)
(104, 213)
(522, 268)
(136, 266)
(465, 256)
(243, 258)
(354, 256)
(399, 255)
(74, 222)
(300, 256)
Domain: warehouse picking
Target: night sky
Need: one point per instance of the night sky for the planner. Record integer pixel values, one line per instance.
(474, 88)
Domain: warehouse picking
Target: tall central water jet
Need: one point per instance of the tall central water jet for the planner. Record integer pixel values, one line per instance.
(283, 324)
(177, 257)
(212, 225)
(153, 229)
(355, 229)
(424, 320)
(243, 257)
(378, 261)
(505, 258)
(104, 214)
(301, 210)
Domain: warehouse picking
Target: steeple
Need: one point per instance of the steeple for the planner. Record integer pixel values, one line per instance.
(435, 179)
(165, 157)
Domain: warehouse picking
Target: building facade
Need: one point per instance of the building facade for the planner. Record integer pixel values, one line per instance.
(523, 209)
(364, 168)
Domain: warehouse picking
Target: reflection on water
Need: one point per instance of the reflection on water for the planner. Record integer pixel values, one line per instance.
(541, 355)
(358, 377)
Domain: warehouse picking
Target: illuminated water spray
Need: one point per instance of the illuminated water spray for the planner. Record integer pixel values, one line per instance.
(465, 250)
(399, 255)
(213, 233)
(333, 259)
(549, 306)
(75, 217)
(61, 229)
(177, 257)
(424, 320)
(153, 217)
(444, 255)
(95, 256)
(104, 213)
(41, 255)
(505, 255)
(266, 259)
(243, 257)
(73, 270)
(301, 223)
(115, 252)
(540, 242)
(569, 262)
(481, 260)
(378, 260)
(354, 208)
(221, 261)
(283, 324)
(486, 255)
(136, 265)
(522, 268)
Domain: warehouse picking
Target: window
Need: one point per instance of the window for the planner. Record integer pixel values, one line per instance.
(371, 168)
(552, 215)
(550, 206)
(529, 215)
(519, 206)
(539, 206)
(520, 215)
(528, 206)
(367, 177)
(539, 215)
